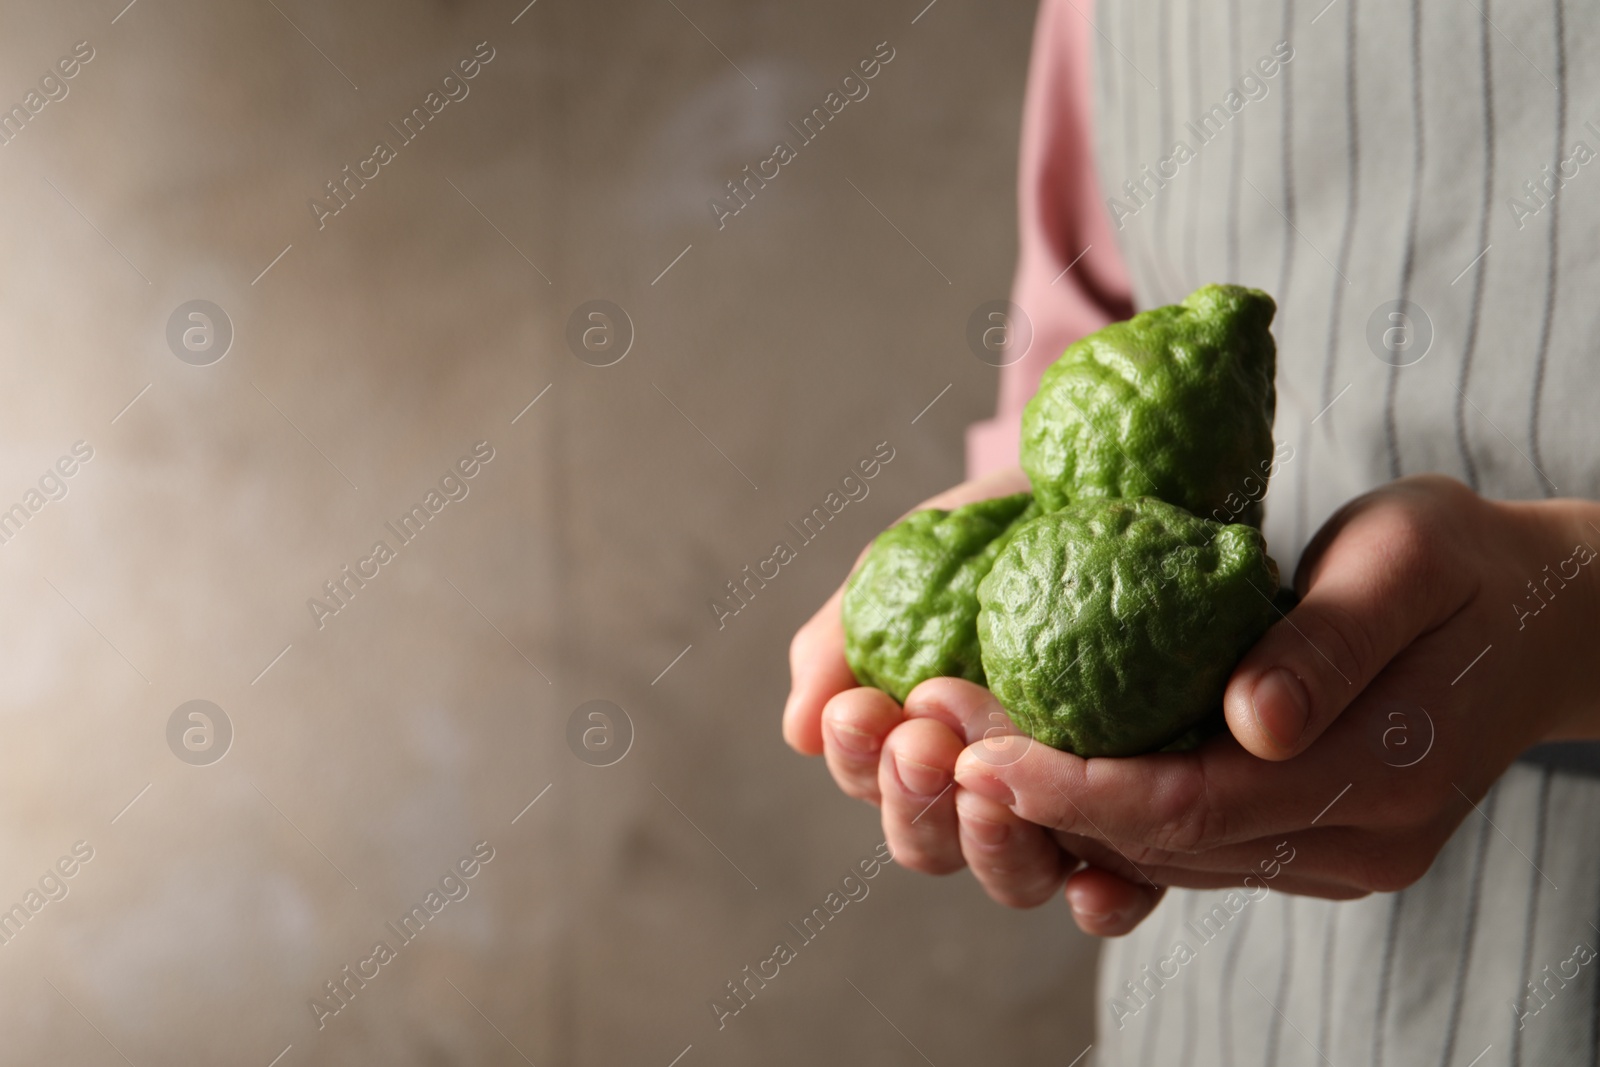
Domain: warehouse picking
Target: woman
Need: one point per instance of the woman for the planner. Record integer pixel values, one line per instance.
(1390, 860)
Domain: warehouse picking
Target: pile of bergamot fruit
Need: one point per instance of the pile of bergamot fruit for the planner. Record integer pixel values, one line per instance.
(1107, 608)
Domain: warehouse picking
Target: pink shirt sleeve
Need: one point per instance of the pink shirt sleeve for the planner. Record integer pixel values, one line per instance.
(1062, 223)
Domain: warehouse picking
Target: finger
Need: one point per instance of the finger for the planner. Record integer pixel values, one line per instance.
(1183, 802)
(817, 672)
(1018, 863)
(1372, 586)
(855, 723)
(1106, 905)
(1317, 861)
(916, 783)
(817, 666)
(1300, 880)
(970, 710)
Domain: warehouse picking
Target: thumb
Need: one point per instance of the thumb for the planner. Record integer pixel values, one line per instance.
(1374, 586)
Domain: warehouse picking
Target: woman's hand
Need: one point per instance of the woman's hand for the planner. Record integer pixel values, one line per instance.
(904, 760)
(907, 765)
(1439, 635)
(852, 733)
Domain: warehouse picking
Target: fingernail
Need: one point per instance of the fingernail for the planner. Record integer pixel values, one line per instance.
(1101, 920)
(1281, 707)
(989, 786)
(860, 742)
(920, 778)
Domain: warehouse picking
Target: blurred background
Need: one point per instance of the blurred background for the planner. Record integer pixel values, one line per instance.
(263, 390)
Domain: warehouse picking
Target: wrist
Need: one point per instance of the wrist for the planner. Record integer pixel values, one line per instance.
(1555, 608)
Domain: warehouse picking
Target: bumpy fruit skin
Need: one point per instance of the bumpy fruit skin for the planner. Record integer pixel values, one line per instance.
(1110, 627)
(911, 608)
(1176, 403)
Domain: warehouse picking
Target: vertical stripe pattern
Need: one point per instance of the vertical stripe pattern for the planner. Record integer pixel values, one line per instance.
(1535, 889)
(1227, 992)
(1339, 282)
(1285, 986)
(1481, 271)
(1330, 956)
(1463, 968)
(1386, 964)
(1413, 213)
(1191, 229)
(1237, 171)
(1554, 268)
(1408, 154)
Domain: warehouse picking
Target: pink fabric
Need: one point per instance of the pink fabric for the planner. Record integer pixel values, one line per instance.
(1060, 213)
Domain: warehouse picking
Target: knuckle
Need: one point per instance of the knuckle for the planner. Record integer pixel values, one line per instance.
(928, 863)
(796, 652)
(1118, 864)
(1408, 537)
(858, 790)
(1417, 538)
(1346, 642)
(1390, 870)
(1441, 488)
(1010, 873)
(1184, 833)
(1143, 856)
(1063, 821)
(1098, 854)
(800, 644)
(1185, 821)
(1020, 899)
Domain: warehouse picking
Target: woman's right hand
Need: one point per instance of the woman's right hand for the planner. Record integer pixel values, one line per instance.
(903, 760)
(818, 672)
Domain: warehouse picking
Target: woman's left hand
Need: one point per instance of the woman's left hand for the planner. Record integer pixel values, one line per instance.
(1439, 635)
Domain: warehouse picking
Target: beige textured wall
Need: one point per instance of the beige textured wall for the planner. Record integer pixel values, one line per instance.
(427, 713)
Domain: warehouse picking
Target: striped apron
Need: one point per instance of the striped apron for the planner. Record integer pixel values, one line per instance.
(1418, 186)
